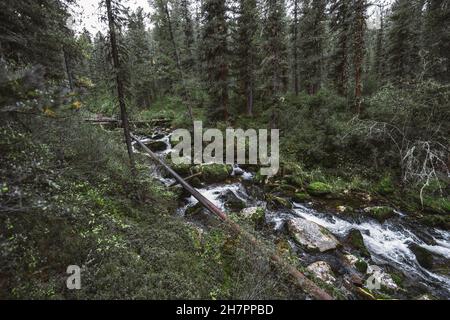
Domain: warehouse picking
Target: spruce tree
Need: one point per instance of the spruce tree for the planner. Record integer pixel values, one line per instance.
(216, 57)
(274, 49)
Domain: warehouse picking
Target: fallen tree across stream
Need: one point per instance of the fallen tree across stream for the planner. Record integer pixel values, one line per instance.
(301, 280)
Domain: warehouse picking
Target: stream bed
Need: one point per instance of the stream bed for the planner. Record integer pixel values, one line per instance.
(388, 243)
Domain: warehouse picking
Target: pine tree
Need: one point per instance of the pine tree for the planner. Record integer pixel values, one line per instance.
(216, 57)
(404, 40)
(312, 42)
(437, 38)
(295, 45)
(359, 25)
(341, 25)
(139, 60)
(246, 52)
(274, 49)
(380, 55)
(112, 20)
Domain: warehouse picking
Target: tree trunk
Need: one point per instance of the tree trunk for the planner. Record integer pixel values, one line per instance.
(119, 83)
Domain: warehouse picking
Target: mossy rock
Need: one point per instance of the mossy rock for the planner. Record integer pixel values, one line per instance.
(295, 180)
(232, 201)
(423, 256)
(213, 173)
(436, 221)
(182, 169)
(319, 189)
(380, 213)
(301, 197)
(437, 205)
(361, 266)
(276, 202)
(194, 210)
(355, 240)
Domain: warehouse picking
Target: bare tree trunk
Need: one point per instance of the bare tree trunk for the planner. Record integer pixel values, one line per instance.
(119, 83)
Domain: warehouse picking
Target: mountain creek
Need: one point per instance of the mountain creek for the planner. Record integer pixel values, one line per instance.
(373, 251)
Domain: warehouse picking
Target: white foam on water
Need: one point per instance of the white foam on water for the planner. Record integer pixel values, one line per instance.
(387, 243)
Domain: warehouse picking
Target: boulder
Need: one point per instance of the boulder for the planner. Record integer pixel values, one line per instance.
(256, 214)
(379, 279)
(356, 241)
(156, 146)
(423, 256)
(319, 189)
(301, 197)
(311, 236)
(214, 173)
(232, 201)
(322, 270)
(380, 213)
(276, 202)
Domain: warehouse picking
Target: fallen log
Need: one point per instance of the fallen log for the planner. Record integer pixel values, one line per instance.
(301, 280)
(118, 121)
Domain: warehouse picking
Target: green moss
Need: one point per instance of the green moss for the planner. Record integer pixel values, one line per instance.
(437, 221)
(437, 205)
(397, 278)
(380, 213)
(301, 197)
(361, 266)
(355, 239)
(319, 189)
(213, 173)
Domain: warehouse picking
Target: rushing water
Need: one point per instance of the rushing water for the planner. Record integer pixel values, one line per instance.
(387, 242)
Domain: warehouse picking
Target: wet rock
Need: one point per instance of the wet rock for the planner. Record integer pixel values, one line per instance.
(276, 202)
(158, 136)
(156, 146)
(356, 241)
(319, 189)
(182, 169)
(380, 213)
(437, 221)
(232, 201)
(322, 270)
(301, 197)
(379, 279)
(256, 214)
(238, 171)
(311, 236)
(423, 256)
(194, 210)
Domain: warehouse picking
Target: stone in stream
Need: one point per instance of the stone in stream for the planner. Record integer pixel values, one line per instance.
(256, 214)
(380, 213)
(232, 201)
(311, 236)
(379, 279)
(430, 260)
(276, 202)
(156, 146)
(355, 240)
(322, 270)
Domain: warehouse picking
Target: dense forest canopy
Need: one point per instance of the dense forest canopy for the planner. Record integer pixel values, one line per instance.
(358, 88)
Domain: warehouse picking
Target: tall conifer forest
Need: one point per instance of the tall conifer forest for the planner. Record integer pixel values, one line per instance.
(93, 95)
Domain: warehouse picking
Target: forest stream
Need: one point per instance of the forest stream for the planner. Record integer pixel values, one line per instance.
(389, 243)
